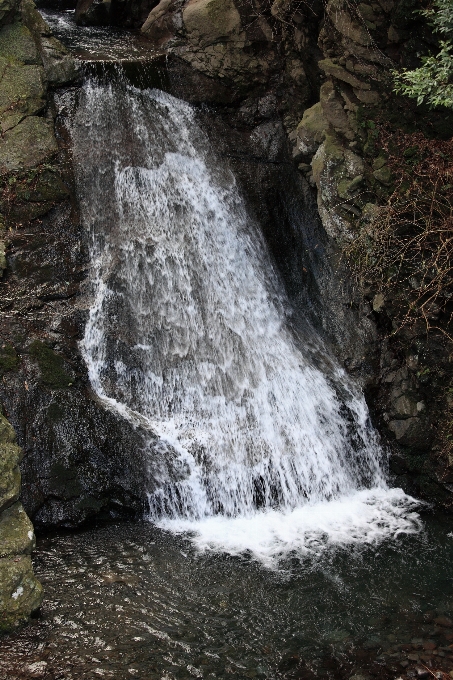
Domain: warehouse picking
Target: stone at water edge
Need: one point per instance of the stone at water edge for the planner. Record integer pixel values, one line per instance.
(20, 591)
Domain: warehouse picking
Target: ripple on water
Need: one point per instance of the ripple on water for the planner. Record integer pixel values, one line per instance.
(135, 601)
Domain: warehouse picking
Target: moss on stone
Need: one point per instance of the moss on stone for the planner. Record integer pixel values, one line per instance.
(16, 532)
(10, 478)
(27, 145)
(20, 592)
(50, 364)
(16, 43)
(8, 9)
(7, 434)
(9, 360)
(22, 93)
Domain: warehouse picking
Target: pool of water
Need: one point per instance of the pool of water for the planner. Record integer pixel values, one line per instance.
(132, 600)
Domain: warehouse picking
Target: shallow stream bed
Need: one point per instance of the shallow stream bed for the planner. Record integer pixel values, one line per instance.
(131, 600)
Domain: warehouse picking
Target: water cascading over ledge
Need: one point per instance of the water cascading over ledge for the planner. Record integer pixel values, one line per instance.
(257, 439)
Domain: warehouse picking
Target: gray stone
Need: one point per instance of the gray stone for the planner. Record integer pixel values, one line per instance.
(336, 71)
(159, 26)
(16, 532)
(27, 145)
(208, 21)
(20, 592)
(16, 43)
(22, 93)
(310, 131)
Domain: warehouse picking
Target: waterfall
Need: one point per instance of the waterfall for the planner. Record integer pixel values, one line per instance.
(257, 438)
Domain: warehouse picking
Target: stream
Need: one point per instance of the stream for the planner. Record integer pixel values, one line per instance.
(273, 545)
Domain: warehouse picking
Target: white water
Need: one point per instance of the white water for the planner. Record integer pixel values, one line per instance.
(187, 336)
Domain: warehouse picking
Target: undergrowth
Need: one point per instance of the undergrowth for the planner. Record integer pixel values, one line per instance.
(405, 252)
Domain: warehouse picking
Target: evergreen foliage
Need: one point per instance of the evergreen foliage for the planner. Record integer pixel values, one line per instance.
(432, 82)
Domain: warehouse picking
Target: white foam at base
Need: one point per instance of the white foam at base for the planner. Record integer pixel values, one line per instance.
(367, 517)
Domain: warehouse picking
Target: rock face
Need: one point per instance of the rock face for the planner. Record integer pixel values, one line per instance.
(20, 592)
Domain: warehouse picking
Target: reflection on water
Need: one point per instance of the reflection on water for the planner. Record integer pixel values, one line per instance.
(133, 601)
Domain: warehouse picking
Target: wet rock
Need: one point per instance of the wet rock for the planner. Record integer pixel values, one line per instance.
(58, 64)
(93, 12)
(160, 25)
(411, 432)
(29, 143)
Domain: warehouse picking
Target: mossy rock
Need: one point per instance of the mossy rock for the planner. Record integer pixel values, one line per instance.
(8, 9)
(51, 365)
(7, 434)
(10, 478)
(9, 360)
(17, 44)
(46, 187)
(22, 93)
(16, 532)
(20, 592)
(27, 145)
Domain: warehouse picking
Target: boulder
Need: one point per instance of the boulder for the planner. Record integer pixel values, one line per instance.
(209, 21)
(20, 592)
(27, 145)
(333, 110)
(16, 43)
(22, 93)
(16, 532)
(311, 130)
(59, 66)
(8, 9)
(10, 457)
(93, 12)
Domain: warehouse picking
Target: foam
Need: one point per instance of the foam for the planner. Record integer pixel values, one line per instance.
(366, 517)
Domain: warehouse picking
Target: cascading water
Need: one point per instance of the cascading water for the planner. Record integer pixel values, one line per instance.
(252, 445)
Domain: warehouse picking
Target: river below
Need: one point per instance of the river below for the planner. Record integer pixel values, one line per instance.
(131, 600)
